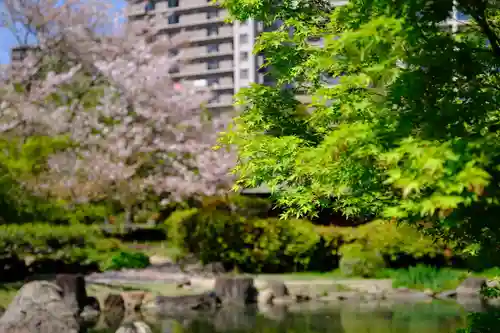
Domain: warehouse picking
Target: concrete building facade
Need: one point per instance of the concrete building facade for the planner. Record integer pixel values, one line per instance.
(219, 53)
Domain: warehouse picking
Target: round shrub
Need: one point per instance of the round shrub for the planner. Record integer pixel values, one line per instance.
(356, 261)
(251, 244)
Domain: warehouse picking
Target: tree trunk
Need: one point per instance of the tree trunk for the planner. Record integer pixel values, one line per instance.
(129, 216)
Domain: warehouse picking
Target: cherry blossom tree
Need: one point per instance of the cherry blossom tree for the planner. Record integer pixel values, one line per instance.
(107, 87)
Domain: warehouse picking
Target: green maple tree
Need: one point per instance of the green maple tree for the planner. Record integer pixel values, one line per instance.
(410, 132)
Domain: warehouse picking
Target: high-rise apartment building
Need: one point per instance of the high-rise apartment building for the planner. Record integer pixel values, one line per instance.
(219, 53)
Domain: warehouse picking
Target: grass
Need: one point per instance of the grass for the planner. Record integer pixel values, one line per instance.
(491, 273)
(7, 292)
(423, 277)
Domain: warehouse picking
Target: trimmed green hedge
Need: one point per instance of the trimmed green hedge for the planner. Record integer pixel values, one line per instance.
(219, 232)
(71, 244)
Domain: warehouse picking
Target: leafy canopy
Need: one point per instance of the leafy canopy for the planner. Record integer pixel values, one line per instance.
(409, 133)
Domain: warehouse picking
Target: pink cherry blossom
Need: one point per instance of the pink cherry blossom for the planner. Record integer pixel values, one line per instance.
(146, 133)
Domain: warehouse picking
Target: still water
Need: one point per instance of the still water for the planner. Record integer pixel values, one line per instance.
(434, 317)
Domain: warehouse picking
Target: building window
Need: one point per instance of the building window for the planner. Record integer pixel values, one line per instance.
(213, 81)
(173, 3)
(174, 70)
(213, 64)
(150, 5)
(214, 100)
(213, 48)
(173, 52)
(212, 31)
(243, 38)
(244, 74)
(243, 56)
(211, 14)
(173, 18)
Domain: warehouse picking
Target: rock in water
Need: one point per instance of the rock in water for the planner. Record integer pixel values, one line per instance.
(176, 304)
(471, 287)
(135, 327)
(74, 292)
(114, 303)
(236, 290)
(92, 309)
(39, 307)
(278, 288)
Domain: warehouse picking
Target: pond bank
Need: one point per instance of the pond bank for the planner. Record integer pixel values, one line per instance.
(314, 290)
(158, 281)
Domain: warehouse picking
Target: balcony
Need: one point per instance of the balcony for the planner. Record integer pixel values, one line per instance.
(164, 26)
(139, 9)
(214, 55)
(210, 39)
(220, 105)
(200, 74)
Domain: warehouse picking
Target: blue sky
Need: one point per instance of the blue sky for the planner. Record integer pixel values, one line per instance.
(7, 40)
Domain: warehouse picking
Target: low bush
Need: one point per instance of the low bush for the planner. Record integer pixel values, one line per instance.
(219, 229)
(385, 238)
(427, 277)
(355, 261)
(127, 260)
(70, 244)
(251, 244)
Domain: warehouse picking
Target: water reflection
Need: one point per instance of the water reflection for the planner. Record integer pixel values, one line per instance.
(433, 317)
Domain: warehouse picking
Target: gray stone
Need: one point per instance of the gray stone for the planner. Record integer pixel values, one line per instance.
(183, 283)
(39, 307)
(74, 291)
(472, 304)
(114, 303)
(374, 296)
(236, 290)
(156, 260)
(284, 300)
(495, 302)
(265, 297)
(341, 296)
(471, 287)
(134, 327)
(446, 294)
(299, 298)
(176, 304)
(278, 288)
(132, 300)
(91, 309)
(211, 269)
(276, 292)
(214, 268)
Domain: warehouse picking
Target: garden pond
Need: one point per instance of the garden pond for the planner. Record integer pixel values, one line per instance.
(434, 317)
